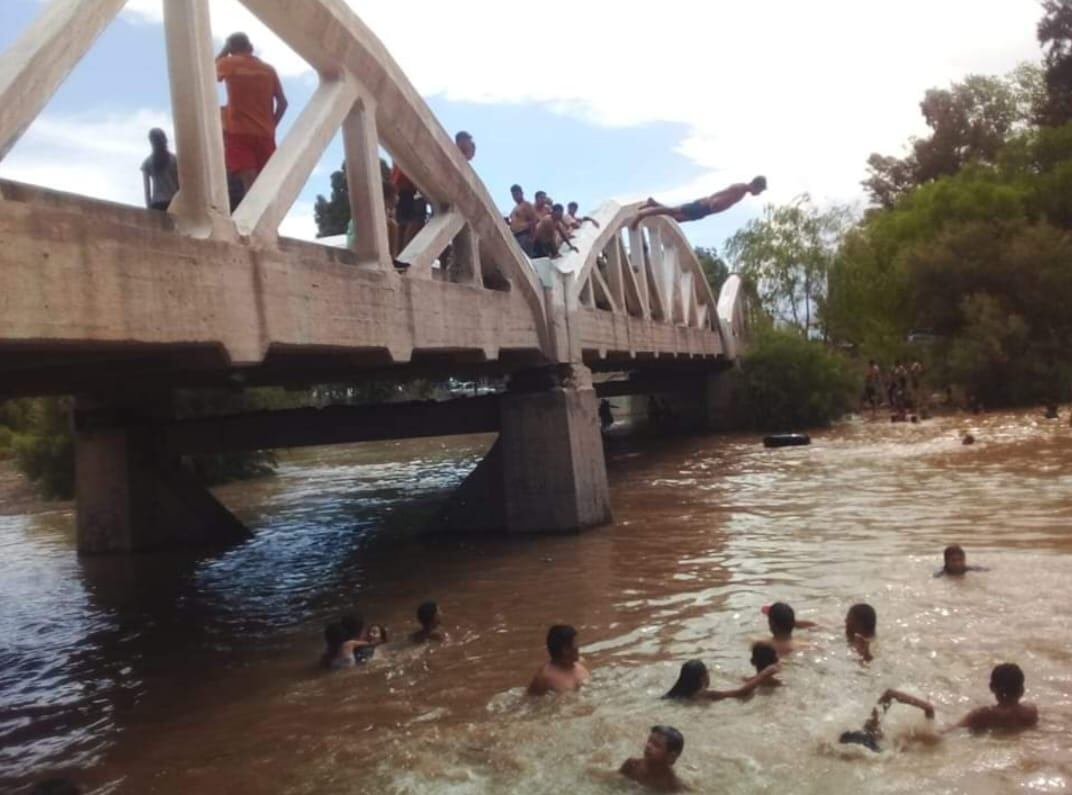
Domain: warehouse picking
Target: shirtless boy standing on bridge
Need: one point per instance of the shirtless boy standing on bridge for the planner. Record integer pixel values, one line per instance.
(701, 208)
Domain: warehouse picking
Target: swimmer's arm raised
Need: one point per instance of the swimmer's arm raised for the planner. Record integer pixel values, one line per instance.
(896, 695)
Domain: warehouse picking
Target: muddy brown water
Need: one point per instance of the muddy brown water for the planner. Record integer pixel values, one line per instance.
(175, 674)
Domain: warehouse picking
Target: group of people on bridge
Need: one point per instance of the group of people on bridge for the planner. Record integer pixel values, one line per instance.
(350, 644)
(256, 103)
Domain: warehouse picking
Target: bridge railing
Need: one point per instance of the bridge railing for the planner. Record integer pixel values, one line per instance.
(361, 91)
(647, 273)
(648, 279)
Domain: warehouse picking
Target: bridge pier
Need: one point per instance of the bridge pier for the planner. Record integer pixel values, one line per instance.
(546, 473)
(131, 497)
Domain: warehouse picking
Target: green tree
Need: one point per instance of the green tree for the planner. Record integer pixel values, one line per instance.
(714, 267)
(44, 447)
(969, 122)
(786, 255)
(1055, 37)
(333, 214)
(786, 382)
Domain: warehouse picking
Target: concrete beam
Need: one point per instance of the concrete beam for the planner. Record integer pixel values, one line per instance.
(265, 430)
(83, 274)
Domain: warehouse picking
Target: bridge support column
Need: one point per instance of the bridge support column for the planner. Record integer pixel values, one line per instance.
(546, 473)
(718, 402)
(130, 498)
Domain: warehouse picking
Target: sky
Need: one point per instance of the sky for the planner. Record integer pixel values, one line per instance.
(609, 99)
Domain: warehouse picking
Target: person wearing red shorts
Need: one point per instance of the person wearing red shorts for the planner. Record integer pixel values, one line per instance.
(255, 105)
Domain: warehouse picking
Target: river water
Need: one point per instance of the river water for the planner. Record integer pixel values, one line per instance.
(176, 675)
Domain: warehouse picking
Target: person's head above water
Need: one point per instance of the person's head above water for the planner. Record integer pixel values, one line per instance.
(955, 561)
(239, 44)
(1007, 683)
(664, 746)
(764, 655)
(692, 679)
(377, 633)
(428, 615)
(781, 619)
(758, 185)
(562, 644)
(861, 620)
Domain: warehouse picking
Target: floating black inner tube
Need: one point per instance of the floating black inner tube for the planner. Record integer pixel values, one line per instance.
(786, 440)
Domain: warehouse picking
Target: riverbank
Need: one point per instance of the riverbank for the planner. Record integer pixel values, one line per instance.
(18, 497)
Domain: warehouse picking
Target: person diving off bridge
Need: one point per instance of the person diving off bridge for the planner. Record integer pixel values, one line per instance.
(701, 208)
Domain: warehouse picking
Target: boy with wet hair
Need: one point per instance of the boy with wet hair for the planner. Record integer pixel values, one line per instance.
(655, 770)
(1009, 714)
(860, 624)
(564, 672)
(764, 655)
(782, 620)
(430, 619)
(955, 562)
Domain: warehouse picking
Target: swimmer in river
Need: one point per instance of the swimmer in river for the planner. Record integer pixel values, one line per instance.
(871, 733)
(430, 619)
(701, 208)
(1010, 714)
(967, 439)
(375, 636)
(860, 624)
(782, 621)
(955, 563)
(342, 641)
(765, 656)
(564, 672)
(655, 770)
(693, 683)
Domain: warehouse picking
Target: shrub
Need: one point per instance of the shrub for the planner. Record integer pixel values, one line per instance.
(787, 382)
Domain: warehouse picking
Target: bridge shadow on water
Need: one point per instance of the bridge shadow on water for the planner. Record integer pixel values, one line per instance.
(112, 644)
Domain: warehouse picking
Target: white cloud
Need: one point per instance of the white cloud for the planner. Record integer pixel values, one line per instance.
(299, 222)
(97, 156)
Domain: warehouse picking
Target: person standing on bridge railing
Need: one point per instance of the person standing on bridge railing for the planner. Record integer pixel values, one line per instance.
(701, 208)
(523, 220)
(573, 222)
(465, 144)
(412, 210)
(551, 234)
(160, 173)
(255, 106)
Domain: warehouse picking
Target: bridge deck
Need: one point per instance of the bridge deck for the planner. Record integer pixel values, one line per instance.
(92, 293)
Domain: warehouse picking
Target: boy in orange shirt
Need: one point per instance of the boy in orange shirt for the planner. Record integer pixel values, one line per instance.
(255, 106)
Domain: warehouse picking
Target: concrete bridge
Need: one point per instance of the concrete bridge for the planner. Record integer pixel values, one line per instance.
(121, 306)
